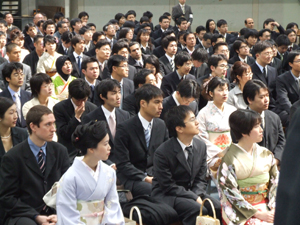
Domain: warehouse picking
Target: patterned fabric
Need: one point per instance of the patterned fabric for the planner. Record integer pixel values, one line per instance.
(61, 86)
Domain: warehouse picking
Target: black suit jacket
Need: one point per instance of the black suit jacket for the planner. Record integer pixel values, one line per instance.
(76, 72)
(169, 103)
(284, 62)
(31, 60)
(28, 44)
(66, 123)
(272, 76)
(277, 64)
(60, 50)
(275, 34)
(132, 62)
(93, 95)
(177, 11)
(131, 73)
(165, 66)
(23, 186)
(235, 58)
(230, 38)
(159, 52)
(132, 156)
(91, 52)
(172, 175)
(170, 82)
(130, 104)
(25, 97)
(99, 115)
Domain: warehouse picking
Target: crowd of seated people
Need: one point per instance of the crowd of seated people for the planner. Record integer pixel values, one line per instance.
(173, 106)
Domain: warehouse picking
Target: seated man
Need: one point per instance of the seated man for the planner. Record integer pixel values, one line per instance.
(200, 57)
(256, 96)
(29, 170)
(242, 53)
(64, 47)
(13, 75)
(136, 57)
(282, 43)
(205, 43)
(251, 36)
(109, 92)
(186, 93)
(223, 28)
(270, 24)
(249, 23)
(183, 65)
(68, 114)
(137, 139)
(166, 62)
(264, 34)
(180, 168)
(200, 31)
(62, 27)
(190, 42)
(86, 33)
(29, 40)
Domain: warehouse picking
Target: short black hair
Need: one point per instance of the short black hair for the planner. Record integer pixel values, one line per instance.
(118, 16)
(221, 22)
(161, 18)
(215, 59)
(35, 115)
(3, 22)
(105, 27)
(199, 29)
(291, 25)
(89, 135)
(40, 22)
(79, 89)
(123, 32)
(132, 44)
(140, 77)
(10, 46)
(129, 24)
(261, 32)
(147, 92)
(28, 25)
(215, 37)
(144, 19)
(251, 33)
(187, 34)
(148, 14)
(105, 86)
(167, 40)
(87, 61)
(118, 46)
(115, 60)
(180, 20)
(130, 12)
(252, 88)
(96, 35)
(58, 15)
(207, 36)
(48, 22)
(168, 32)
(67, 36)
(36, 81)
(84, 29)
(282, 39)
(60, 23)
(5, 14)
(292, 55)
(248, 118)
(216, 82)
(74, 21)
(288, 31)
(267, 21)
(49, 38)
(237, 44)
(181, 58)
(153, 60)
(189, 88)
(5, 103)
(175, 118)
(167, 14)
(37, 37)
(261, 46)
(82, 14)
(76, 39)
(101, 43)
(199, 54)
(217, 45)
(91, 25)
(9, 68)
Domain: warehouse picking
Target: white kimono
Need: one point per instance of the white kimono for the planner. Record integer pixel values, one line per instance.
(78, 186)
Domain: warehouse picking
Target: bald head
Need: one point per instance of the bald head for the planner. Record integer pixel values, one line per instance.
(249, 23)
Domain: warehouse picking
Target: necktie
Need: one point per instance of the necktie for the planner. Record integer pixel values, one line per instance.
(112, 125)
(281, 57)
(265, 74)
(79, 63)
(298, 83)
(190, 156)
(172, 64)
(92, 92)
(66, 51)
(41, 161)
(147, 135)
(121, 96)
(18, 104)
(140, 64)
(182, 78)
(183, 9)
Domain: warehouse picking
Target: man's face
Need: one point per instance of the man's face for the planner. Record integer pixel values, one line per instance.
(206, 43)
(37, 18)
(124, 52)
(296, 64)
(2, 41)
(84, 20)
(103, 53)
(265, 36)
(249, 23)
(261, 101)
(221, 69)
(77, 26)
(88, 35)
(150, 79)
(9, 19)
(183, 26)
(3, 28)
(39, 46)
(93, 29)
(122, 69)
(64, 27)
(223, 49)
(131, 17)
(32, 32)
(172, 48)
(270, 26)
(153, 108)
(113, 98)
(15, 54)
(182, 1)
(50, 29)
(135, 52)
(282, 49)
(79, 102)
(201, 34)
(184, 100)
(185, 68)
(46, 128)
(243, 50)
(223, 29)
(79, 47)
(92, 71)
(265, 57)
(111, 31)
(251, 40)
(191, 125)
(16, 78)
(164, 24)
(190, 41)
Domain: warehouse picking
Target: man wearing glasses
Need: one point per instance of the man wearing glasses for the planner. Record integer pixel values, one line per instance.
(242, 53)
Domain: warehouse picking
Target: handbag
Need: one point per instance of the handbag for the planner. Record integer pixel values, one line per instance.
(138, 213)
(207, 220)
(50, 197)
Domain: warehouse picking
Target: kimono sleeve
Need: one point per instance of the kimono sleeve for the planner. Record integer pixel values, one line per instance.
(234, 207)
(274, 174)
(40, 66)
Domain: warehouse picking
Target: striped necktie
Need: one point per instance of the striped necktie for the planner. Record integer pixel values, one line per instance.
(41, 161)
(147, 135)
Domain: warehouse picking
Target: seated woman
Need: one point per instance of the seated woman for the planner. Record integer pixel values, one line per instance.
(248, 174)
(143, 38)
(17, 37)
(240, 73)
(213, 119)
(63, 78)
(87, 192)
(152, 63)
(126, 32)
(46, 63)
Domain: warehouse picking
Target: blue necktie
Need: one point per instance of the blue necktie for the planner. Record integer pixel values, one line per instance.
(121, 105)
(147, 135)
(79, 63)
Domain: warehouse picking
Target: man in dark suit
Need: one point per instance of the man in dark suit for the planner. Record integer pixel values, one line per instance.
(256, 96)
(166, 62)
(32, 59)
(109, 92)
(136, 58)
(61, 27)
(13, 52)
(288, 89)
(186, 94)
(103, 52)
(64, 47)
(262, 71)
(200, 31)
(77, 55)
(183, 64)
(180, 168)
(223, 28)
(29, 170)
(200, 57)
(269, 24)
(183, 10)
(29, 40)
(164, 25)
(190, 42)
(68, 114)
(159, 50)
(137, 139)
(242, 53)
(13, 74)
(282, 42)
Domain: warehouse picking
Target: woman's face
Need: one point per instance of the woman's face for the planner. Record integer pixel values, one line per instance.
(247, 75)
(10, 117)
(67, 67)
(129, 35)
(19, 42)
(295, 28)
(150, 67)
(50, 47)
(122, 21)
(220, 94)
(256, 134)
(145, 37)
(212, 26)
(292, 36)
(102, 151)
(46, 89)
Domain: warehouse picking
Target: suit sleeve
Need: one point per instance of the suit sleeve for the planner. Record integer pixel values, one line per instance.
(28, 77)
(282, 99)
(281, 140)
(128, 106)
(166, 88)
(190, 16)
(280, 29)
(174, 13)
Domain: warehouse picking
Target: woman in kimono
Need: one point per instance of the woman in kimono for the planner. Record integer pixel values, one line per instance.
(213, 119)
(46, 63)
(87, 192)
(248, 174)
(63, 78)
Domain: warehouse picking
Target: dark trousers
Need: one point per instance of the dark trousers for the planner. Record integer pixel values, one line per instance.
(139, 188)
(25, 221)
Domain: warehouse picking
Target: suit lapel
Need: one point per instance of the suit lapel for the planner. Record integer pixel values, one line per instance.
(140, 132)
(31, 160)
(180, 156)
(50, 160)
(293, 83)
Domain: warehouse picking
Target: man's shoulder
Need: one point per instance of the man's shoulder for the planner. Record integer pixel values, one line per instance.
(90, 106)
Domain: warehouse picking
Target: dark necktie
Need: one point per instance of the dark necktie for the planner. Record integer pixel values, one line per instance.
(79, 63)
(190, 156)
(265, 74)
(122, 96)
(41, 161)
(66, 51)
(92, 92)
(147, 135)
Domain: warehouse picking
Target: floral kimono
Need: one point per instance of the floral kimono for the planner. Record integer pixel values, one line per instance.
(61, 86)
(85, 197)
(46, 64)
(214, 129)
(247, 183)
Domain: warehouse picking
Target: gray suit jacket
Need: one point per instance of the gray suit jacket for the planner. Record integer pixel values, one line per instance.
(177, 11)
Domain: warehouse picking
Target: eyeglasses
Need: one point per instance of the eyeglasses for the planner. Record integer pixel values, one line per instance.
(48, 85)
(244, 47)
(249, 74)
(223, 66)
(296, 61)
(18, 74)
(267, 53)
(193, 119)
(224, 51)
(188, 64)
(123, 66)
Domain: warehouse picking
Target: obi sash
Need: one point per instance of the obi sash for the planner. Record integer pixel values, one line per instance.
(91, 212)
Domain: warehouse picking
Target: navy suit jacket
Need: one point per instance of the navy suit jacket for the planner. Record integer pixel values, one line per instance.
(28, 44)
(235, 58)
(76, 72)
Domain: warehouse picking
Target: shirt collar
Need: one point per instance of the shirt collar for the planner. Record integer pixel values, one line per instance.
(73, 104)
(179, 75)
(169, 58)
(175, 99)
(76, 55)
(121, 83)
(243, 60)
(145, 122)
(107, 113)
(260, 67)
(183, 146)
(90, 83)
(296, 78)
(12, 92)
(182, 5)
(35, 149)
